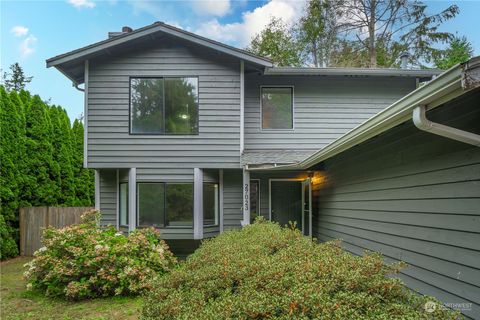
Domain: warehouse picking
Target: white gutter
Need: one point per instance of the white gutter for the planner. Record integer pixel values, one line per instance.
(85, 115)
(421, 122)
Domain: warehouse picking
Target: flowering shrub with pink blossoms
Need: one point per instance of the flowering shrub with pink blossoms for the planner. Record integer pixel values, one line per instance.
(86, 261)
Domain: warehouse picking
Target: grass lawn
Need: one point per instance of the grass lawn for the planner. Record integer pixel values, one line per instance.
(17, 303)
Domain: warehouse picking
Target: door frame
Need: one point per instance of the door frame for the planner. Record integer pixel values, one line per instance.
(308, 182)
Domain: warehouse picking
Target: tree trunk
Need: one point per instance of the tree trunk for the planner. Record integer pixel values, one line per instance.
(372, 50)
(315, 54)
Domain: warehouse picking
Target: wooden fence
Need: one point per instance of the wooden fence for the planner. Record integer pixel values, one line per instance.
(34, 219)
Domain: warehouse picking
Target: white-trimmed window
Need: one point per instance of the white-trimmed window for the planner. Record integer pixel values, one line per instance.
(161, 204)
(164, 106)
(277, 108)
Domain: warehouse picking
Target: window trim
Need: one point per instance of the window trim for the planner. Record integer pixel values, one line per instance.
(165, 226)
(161, 134)
(293, 107)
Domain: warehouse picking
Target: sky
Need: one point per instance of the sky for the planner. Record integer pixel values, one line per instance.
(33, 31)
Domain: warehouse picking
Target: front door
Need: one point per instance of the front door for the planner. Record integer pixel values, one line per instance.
(286, 202)
(307, 207)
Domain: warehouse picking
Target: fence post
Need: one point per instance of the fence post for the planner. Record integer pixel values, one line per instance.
(22, 231)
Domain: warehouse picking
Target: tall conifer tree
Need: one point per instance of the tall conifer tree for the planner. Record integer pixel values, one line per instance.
(41, 169)
(10, 133)
(84, 178)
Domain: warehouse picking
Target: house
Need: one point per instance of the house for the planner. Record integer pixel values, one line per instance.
(195, 137)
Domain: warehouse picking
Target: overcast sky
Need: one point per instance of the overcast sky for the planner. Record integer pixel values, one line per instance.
(33, 31)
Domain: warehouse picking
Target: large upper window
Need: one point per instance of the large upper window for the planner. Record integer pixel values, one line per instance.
(277, 107)
(165, 204)
(166, 106)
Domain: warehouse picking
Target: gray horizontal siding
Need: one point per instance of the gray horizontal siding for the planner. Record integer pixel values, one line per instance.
(232, 199)
(324, 108)
(108, 197)
(216, 146)
(414, 197)
(210, 231)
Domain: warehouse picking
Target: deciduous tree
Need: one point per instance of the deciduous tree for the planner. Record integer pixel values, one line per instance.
(381, 25)
(278, 43)
(459, 50)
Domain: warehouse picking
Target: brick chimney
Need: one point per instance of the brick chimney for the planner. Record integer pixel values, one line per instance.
(125, 29)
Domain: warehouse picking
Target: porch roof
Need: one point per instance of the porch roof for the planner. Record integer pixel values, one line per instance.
(273, 157)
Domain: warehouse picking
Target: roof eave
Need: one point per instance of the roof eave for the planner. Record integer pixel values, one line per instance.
(289, 71)
(85, 52)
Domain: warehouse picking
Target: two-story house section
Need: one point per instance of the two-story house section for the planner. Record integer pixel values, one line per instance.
(176, 123)
(194, 137)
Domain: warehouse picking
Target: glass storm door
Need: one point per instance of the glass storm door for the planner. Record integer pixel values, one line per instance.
(307, 207)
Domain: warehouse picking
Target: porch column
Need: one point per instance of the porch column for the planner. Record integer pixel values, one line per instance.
(246, 197)
(132, 199)
(197, 204)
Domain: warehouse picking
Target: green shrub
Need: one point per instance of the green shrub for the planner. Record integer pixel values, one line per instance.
(8, 245)
(265, 271)
(86, 261)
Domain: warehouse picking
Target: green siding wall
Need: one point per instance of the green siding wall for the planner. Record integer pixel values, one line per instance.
(108, 197)
(166, 157)
(324, 108)
(412, 196)
(232, 199)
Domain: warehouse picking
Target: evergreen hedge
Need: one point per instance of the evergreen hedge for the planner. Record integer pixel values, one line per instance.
(41, 161)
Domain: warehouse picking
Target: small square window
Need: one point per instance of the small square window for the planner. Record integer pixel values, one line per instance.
(277, 107)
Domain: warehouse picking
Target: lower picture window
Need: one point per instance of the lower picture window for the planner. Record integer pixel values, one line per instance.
(179, 205)
(150, 205)
(165, 204)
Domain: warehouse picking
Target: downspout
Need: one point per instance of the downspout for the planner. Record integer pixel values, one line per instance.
(242, 106)
(77, 87)
(421, 122)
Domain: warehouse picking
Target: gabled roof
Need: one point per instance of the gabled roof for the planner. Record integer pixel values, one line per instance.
(446, 87)
(71, 63)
